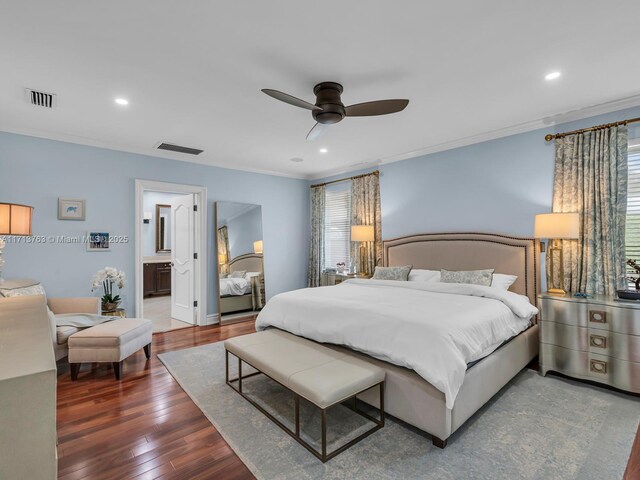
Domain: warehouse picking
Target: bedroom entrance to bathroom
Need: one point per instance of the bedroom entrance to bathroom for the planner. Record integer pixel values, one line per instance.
(170, 252)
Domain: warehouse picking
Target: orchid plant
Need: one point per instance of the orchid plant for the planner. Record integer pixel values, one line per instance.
(107, 278)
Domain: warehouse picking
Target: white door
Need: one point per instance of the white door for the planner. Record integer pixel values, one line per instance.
(182, 261)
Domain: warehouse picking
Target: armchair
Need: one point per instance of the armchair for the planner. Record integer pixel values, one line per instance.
(68, 305)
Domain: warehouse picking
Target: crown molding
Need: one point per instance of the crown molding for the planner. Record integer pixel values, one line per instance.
(153, 153)
(546, 122)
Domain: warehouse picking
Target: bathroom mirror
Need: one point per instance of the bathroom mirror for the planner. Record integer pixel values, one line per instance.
(163, 228)
(239, 260)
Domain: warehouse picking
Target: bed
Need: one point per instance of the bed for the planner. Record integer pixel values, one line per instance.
(408, 395)
(241, 294)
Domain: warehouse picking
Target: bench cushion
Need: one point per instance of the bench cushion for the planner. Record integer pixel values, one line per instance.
(319, 374)
(112, 333)
(110, 341)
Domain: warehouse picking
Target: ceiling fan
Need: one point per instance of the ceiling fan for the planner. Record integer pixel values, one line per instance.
(329, 108)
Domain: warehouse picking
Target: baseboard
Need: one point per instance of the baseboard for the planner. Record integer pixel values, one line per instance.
(212, 319)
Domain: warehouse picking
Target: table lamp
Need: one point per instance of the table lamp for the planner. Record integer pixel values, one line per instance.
(362, 234)
(14, 220)
(556, 227)
(257, 247)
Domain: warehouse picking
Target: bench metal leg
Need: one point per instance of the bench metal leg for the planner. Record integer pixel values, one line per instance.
(350, 402)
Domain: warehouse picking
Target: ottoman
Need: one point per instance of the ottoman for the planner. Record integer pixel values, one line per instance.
(109, 342)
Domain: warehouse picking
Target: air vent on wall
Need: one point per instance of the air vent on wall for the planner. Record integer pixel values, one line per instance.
(179, 149)
(40, 99)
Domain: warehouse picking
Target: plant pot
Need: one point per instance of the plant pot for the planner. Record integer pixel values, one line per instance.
(110, 306)
(629, 294)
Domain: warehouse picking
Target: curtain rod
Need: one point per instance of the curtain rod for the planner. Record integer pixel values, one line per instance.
(550, 136)
(375, 172)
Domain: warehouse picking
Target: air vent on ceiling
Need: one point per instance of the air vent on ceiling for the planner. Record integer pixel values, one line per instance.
(179, 149)
(41, 99)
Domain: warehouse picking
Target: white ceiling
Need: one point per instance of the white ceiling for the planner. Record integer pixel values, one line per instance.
(193, 71)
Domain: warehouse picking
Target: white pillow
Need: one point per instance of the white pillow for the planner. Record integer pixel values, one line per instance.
(238, 274)
(503, 281)
(418, 275)
(248, 275)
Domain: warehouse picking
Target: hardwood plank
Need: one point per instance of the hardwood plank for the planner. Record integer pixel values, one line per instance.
(144, 426)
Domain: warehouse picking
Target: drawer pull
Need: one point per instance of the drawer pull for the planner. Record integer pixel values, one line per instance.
(597, 316)
(598, 366)
(598, 341)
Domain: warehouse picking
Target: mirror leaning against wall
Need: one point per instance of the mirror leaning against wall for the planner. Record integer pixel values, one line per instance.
(240, 260)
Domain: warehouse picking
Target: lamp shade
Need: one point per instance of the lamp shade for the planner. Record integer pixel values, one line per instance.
(362, 233)
(557, 225)
(15, 219)
(222, 258)
(257, 246)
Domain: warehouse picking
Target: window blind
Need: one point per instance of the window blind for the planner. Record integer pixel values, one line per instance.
(337, 217)
(632, 233)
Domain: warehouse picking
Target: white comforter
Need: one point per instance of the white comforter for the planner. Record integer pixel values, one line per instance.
(433, 328)
(234, 286)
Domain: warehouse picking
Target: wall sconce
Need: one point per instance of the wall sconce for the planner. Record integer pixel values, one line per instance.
(147, 217)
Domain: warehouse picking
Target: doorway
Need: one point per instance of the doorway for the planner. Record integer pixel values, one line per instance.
(170, 243)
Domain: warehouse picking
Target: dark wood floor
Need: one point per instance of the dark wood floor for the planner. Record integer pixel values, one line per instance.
(144, 426)
(147, 427)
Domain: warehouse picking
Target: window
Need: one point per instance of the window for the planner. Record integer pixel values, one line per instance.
(337, 219)
(632, 234)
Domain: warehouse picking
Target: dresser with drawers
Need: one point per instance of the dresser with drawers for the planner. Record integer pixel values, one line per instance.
(595, 339)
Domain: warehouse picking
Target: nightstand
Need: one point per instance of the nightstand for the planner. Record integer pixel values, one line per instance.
(118, 312)
(595, 339)
(336, 278)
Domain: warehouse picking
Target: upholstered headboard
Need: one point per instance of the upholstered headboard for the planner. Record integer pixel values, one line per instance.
(471, 251)
(251, 262)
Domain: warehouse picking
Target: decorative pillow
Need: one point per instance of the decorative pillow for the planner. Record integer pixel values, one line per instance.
(249, 275)
(418, 275)
(503, 281)
(475, 277)
(22, 291)
(238, 274)
(392, 273)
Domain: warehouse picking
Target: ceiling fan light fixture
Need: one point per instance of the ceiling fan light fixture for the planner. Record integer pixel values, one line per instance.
(329, 109)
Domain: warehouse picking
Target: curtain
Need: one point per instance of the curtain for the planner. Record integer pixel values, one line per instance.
(590, 178)
(365, 210)
(316, 250)
(223, 248)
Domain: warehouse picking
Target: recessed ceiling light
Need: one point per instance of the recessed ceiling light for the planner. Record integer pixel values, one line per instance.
(552, 75)
(297, 159)
(122, 101)
(323, 150)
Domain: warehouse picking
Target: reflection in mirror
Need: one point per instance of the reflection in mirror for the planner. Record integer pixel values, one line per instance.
(163, 228)
(240, 260)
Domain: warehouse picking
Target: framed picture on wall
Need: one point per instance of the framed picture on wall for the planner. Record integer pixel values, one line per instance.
(98, 241)
(71, 209)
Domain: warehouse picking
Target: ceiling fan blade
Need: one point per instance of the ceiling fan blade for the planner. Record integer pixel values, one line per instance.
(317, 131)
(286, 98)
(379, 107)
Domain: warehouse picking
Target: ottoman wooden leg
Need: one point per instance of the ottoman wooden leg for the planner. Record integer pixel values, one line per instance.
(75, 368)
(117, 368)
(147, 350)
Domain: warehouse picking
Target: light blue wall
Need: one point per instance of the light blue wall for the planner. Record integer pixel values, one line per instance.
(496, 186)
(243, 231)
(36, 172)
(149, 202)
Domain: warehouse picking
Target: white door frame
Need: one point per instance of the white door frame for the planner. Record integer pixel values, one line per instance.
(200, 224)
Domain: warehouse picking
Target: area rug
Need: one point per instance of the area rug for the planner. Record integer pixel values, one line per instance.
(535, 428)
